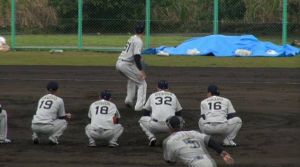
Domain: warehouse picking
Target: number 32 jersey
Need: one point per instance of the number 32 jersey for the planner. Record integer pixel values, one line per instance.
(216, 108)
(49, 108)
(102, 113)
(163, 104)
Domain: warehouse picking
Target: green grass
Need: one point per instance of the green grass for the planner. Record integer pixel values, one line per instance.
(109, 59)
(110, 40)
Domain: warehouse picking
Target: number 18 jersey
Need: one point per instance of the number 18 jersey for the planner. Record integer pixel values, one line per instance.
(49, 108)
(216, 108)
(102, 113)
(163, 104)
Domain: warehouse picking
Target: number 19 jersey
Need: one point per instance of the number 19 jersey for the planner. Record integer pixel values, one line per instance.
(216, 108)
(102, 113)
(163, 104)
(49, 108)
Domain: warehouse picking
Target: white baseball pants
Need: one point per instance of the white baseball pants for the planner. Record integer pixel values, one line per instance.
(134, 83)
(3, 125)
(54, 129)
(111, 135)
(228, 129)
(151, 126)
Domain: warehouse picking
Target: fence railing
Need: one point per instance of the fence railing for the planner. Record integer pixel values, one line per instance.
(106, 25)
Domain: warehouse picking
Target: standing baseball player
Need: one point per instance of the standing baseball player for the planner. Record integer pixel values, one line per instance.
(50, 117)
(3, 46)
(130, 65)
(189, 147)
(3, 127)
(160, 106)
(218, 117)
(104, 124)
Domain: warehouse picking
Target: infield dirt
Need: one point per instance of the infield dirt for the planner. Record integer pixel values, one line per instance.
(267, 100)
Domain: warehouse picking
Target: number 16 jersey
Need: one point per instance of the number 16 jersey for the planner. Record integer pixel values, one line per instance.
(216, 108)
(49, 108)
(163, 104)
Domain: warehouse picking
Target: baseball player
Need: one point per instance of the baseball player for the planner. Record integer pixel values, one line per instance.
(3, 46)
(160, 106)
(130, 65)
(50, 117)
(218, 117)
(189, 147)
(3, 127)
(104, 124)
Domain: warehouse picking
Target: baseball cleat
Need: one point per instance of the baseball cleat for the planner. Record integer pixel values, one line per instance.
(113, 144)
(53, 141)
(92, 144)
(229, 143)
(152, 142)
(36, 141)
(129, 105)
(5, 141)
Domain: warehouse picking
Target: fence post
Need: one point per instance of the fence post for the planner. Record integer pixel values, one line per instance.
(284, 22)
(148, 17)
(13, 25)
(79, 29)
(216, 16)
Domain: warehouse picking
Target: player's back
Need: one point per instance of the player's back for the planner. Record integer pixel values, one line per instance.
(49, 108)
(163, 104)
(186, 146)
(216, 108)
(102, 113)
(134, 46)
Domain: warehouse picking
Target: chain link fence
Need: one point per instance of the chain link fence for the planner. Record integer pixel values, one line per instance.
(106, 24)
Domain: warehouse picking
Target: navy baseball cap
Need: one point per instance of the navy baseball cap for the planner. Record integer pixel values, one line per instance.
(163, 84)
(140, 28)
(105, 94)
(175, 122)
(52, 86)
(213, 89)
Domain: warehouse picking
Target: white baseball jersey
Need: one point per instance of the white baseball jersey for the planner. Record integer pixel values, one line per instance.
(102, 113)
(49, 108)
(2, 41)
(186, 146)
(216, 108)
(134, 46)
(163, 104)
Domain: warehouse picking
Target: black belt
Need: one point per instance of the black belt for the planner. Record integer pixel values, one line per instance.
(154, 120)
(125, 60)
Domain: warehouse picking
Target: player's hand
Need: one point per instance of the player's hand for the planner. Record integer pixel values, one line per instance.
(143, 75)
(227, 158)
(68, 115)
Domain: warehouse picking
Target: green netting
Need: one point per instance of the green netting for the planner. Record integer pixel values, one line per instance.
(106, 24)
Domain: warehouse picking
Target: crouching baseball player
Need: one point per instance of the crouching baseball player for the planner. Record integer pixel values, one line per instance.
(218, 117)
(3, 127)
(189, 147)
(50, 117)
(160, 106)
(104, 124)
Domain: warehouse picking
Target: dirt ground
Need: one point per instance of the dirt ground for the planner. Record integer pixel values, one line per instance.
(267, 100)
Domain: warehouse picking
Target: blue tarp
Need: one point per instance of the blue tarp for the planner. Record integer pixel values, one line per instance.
(222, 46)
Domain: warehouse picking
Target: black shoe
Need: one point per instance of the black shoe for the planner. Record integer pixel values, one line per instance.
(152, 142)
(36, 141)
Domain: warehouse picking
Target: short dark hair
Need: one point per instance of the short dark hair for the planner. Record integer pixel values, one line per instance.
(163, 84)
(105, 94)
(52, 86)
(213, 89)
(139, 28)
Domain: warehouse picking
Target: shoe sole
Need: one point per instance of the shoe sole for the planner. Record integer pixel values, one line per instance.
(152, 143)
